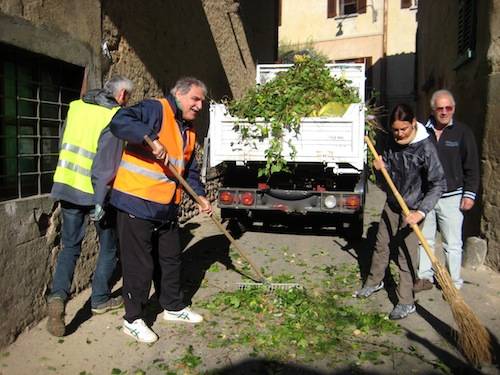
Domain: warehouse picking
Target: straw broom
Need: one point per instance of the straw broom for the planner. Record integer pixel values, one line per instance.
(473, 338)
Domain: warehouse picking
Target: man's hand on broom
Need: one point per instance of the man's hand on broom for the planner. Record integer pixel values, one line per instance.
(159, 151)
(205, 206)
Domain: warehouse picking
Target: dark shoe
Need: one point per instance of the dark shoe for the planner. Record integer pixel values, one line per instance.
(421, 285)
(367, 291)
(401, 311)
(55, 312)
(110, 304)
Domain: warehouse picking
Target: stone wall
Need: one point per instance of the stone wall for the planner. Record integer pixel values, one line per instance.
(29, 234)
(153, 43)
(29, 228)
(490, 220)
(475, 85)
(66, 30)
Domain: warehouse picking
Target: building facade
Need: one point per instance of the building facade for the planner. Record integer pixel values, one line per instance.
(464, 57)
(379, 33)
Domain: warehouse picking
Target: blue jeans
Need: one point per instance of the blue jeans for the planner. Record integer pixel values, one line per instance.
(448, 217)
(73, 232)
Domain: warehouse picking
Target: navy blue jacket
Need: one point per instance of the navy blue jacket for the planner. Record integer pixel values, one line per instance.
(458, 154)
(132, 124)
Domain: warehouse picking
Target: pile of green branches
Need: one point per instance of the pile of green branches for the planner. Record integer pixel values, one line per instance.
(271, 110)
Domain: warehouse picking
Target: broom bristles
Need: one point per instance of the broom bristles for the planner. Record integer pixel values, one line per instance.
(473, 338)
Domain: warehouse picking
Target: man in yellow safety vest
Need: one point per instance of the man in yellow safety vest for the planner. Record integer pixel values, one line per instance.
(85, 168)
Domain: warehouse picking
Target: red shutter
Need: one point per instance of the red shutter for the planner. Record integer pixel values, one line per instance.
(361, 6)
(405, 3)
(331, 8)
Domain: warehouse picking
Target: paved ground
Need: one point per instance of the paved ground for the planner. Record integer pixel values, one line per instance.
(95, 345)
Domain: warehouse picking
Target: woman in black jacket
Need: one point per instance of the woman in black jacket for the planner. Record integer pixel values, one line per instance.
(413, 164)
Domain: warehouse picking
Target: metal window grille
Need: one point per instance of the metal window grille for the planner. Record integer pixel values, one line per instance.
(466, 38)
(34, 95)
(348, 7)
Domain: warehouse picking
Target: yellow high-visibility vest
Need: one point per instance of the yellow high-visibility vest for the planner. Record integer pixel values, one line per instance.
(84, 125)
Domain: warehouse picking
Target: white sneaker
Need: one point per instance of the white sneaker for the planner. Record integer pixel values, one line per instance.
(185, 315)
(139, 331)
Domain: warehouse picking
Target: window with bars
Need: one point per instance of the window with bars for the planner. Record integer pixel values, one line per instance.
(466, 38)
(34, 95)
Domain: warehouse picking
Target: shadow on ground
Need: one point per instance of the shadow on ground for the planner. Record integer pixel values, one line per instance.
(85, 312)
(263, 366)
(362, 250)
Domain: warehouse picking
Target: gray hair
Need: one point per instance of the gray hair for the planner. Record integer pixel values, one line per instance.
(439, 93)
(118, 82)
(183, 85)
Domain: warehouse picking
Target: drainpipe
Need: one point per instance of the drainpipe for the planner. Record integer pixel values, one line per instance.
(383, 73)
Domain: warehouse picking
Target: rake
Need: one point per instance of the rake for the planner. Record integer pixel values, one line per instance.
(473, 339)
(262, 281)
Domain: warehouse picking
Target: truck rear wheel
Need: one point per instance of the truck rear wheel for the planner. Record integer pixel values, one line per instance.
(237, 224)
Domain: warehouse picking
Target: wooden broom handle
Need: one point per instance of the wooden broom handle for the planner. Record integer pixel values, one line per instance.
(196, 197)
(402, 203)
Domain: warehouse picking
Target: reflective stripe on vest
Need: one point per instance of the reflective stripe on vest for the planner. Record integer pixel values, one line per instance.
(84, 125)
(147, 178)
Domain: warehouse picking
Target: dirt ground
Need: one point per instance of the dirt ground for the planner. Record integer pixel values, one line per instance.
(95, 344)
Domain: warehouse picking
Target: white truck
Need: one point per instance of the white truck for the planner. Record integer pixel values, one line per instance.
(328, 180)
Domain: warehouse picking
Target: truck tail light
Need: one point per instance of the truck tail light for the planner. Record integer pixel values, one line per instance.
(352, 202)
(247, 198)
(226, 197)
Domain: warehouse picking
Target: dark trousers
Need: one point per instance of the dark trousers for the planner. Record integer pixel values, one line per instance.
(394, 235)
(139, 241)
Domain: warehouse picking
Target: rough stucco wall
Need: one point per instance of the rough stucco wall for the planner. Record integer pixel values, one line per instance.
(70, 30)
(231, 43)
(29, 234)
(490, 223)
(473, 85)
(260, 21)
(211, 43)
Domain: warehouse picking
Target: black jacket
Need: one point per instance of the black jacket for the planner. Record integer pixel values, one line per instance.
(416, 171)
(457, 151)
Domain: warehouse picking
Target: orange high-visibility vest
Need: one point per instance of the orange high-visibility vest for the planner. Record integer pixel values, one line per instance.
(143, 176)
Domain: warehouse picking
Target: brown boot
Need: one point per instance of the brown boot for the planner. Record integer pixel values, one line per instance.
(422, 284)
(55, 313)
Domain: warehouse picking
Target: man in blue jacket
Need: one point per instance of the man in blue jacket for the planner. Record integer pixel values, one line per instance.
(458, 154)
(147, 197)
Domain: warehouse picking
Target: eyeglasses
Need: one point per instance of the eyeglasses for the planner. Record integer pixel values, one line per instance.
(448, 108)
